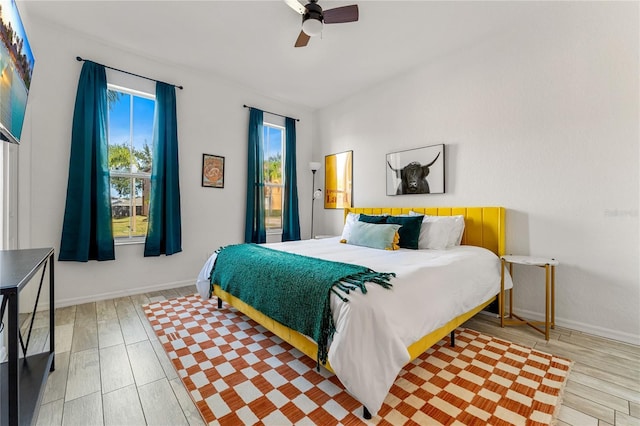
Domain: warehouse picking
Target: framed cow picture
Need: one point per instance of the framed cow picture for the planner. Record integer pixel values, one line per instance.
(416, 171)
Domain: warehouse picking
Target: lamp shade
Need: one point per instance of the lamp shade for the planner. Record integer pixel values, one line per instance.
(314, 166)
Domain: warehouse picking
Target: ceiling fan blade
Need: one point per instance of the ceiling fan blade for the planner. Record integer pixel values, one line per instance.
(341, 14)
(303, 39)
(295, 5)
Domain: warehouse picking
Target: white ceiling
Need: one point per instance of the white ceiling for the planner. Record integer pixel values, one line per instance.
(251, 42)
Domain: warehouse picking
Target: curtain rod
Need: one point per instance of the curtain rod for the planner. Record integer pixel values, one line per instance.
(279, 115)
(78, 58)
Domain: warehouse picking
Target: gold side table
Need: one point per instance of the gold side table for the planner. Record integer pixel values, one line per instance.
(549, 266)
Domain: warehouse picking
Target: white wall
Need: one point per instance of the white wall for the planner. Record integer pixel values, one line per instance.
(541, 119)
(211, 120)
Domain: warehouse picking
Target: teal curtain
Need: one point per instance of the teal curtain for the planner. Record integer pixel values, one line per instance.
(164, 234)
(254, 228)
(86, 230)
(290, 215)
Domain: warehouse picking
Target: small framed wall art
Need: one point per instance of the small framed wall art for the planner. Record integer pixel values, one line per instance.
(212, 171)
(416, 171)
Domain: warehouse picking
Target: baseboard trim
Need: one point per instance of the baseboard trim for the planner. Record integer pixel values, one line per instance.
(62, 303)
(594, 330)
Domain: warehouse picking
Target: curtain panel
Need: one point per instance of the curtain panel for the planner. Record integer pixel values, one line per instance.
(254, 228)
(87, 229)
(164, 233)
(290, 213)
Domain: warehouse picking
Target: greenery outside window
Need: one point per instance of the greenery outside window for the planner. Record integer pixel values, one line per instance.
(273, 176)
(130, 139)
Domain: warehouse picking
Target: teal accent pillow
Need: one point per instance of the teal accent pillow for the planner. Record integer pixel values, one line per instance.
(410, 231)
(374, 235)
(372, 219)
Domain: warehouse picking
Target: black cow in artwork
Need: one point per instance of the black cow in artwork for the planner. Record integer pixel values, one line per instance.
(413, 178)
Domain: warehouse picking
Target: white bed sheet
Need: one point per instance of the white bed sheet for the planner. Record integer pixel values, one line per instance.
(373, 331)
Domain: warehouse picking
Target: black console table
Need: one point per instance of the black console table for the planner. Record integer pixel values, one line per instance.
(23, 378)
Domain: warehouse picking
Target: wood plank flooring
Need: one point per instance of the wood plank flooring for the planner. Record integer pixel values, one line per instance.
(111, 369)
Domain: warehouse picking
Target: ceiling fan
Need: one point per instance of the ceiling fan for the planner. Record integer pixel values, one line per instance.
(313, 18)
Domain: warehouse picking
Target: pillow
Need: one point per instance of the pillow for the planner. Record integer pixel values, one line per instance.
(433, 235)
(455, 238)
(373, 219)
(349, 221)
(410, 231)
(379, 236)
(440, 232)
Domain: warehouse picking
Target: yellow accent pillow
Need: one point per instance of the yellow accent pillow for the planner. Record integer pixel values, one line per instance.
(396, 242)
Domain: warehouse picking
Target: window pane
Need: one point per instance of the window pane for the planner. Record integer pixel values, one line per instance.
(129, 214)
(142, 132)
(273, 154)
(119, 130)
(273, 175)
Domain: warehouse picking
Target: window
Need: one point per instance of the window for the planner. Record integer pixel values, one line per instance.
(130, 140)
(273, 176)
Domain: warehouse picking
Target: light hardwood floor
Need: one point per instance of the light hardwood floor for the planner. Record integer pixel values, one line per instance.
(111, 369)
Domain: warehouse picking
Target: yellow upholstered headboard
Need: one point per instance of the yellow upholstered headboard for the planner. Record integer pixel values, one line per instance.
(483, 226)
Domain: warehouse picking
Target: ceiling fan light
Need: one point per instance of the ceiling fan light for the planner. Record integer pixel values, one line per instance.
(312, 27)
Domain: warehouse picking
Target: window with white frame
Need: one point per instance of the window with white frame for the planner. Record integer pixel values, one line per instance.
(274, 147)
(130, 141)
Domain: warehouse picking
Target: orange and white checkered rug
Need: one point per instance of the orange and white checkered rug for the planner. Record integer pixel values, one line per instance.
(239, 373)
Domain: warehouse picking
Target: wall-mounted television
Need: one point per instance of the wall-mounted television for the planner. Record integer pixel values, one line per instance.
(16, 67)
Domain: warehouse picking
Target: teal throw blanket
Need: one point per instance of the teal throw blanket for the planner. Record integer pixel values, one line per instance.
(290, 288)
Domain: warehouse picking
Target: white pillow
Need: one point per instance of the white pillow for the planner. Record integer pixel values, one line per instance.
(455, 238)
(440, 232)
(349, 221)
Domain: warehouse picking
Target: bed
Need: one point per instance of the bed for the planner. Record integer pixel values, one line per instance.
(380, 332)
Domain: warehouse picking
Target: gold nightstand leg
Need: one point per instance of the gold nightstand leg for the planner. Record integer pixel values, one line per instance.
(501, 295)
(511, 291)
(546, 301)
(553, 296)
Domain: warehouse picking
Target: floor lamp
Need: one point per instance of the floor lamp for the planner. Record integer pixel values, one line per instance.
(317, 193)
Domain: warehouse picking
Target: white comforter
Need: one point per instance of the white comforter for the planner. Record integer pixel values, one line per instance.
(374, 330)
